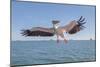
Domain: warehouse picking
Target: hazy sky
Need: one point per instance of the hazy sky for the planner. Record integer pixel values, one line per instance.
(26, 15)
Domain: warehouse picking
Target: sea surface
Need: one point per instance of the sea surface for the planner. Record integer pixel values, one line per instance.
(51, 52)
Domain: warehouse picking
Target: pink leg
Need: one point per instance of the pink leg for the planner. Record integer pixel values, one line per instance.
(65, 40)
(62, 35)
(57, 38)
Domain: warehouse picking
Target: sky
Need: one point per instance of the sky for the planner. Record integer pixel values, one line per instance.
(25, 15)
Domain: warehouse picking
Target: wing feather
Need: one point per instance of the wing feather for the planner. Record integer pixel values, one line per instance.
(69, 26)
(38, 31)
(72, 28)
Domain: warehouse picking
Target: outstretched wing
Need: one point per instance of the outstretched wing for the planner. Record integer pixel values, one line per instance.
(74, 26)
(38, 31)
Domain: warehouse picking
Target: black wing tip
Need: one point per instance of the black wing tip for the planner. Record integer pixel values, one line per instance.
(25, 32)
(81, 22)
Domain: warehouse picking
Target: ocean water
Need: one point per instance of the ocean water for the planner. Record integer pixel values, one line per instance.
(48, 52)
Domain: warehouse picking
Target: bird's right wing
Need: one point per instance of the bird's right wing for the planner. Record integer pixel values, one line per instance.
(38, 31)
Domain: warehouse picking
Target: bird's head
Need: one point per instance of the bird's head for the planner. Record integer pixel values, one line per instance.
(55, 24)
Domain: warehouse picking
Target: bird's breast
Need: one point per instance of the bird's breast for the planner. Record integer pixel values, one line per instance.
(63, 30)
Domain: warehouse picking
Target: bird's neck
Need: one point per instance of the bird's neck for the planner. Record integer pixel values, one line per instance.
(56, 26)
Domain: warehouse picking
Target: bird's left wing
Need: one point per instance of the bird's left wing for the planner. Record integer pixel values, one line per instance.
(74, 26)
(38, 31)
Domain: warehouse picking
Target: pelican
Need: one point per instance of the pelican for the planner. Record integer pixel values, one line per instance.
(71, 28)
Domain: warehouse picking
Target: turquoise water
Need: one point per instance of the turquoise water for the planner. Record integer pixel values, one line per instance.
(48, 52)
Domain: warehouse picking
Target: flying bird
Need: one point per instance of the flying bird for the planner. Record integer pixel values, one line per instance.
(71, 28)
